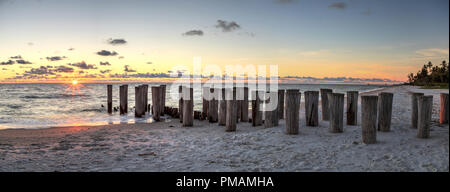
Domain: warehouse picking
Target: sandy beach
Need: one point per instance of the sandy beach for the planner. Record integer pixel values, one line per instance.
(167, 146)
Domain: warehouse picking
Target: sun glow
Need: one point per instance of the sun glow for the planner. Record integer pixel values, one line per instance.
(74, 87)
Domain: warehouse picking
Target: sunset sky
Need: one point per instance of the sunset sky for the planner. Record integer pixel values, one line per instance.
(54, 40)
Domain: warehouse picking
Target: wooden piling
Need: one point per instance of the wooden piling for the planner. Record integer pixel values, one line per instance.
(139, 110)
(180, 103)
(109, 99)
(205, 102)
(145, 97)
(425, 109)
(312, 108)
(222, 108)
(324, 103)
(444, 109)
(385, 111)
(244, 106)
(352, 107)
(213, 106)
(123, 94)
(336, 107)
(256, 111)
(188, 107)
(156, 103)
(163, 98)
(293, 97)
(369, 119)
(414, 109)
(231, 110)
(281, 104)
(270, 116)
(239, 91)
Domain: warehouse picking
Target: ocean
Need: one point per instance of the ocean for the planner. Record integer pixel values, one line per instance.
(36, 106)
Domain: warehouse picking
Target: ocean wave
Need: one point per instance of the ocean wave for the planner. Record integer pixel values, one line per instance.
(92, 110)
(57, 96)
(14, 106)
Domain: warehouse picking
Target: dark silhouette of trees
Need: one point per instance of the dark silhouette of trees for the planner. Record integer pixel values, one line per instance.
(430, 74)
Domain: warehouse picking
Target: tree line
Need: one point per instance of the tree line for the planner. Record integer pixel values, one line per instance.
(430, 74)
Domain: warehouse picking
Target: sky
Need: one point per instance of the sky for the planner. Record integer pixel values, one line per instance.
(99, 40)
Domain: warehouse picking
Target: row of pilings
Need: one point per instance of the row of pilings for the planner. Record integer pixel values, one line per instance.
(230, 106)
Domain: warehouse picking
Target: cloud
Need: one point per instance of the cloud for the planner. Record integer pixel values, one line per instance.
(343, 80)
(71, 49)
(23, 62)
(227, 26)
(193, 33)
(117, 41)
(128, 69)
(106, 63)
(433, 52)
(141, 75)
(107, 53)
(55, 58)
(338, 5)
(149, 62)
(63, 69)
(9, 62)
(105, 71)
(121, 57)
(16, 57)
(42, 70)
(83, 65)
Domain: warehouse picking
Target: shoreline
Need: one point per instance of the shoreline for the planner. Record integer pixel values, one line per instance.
(101, 123)
(167, 146)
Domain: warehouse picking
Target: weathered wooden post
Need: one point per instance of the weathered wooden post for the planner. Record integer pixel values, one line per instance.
(324, 102)
(163, 98)
(231, 110)
(275, 113)
(385, 111)
(123, 94)
(145, 97)
(369, 119)
(213, 106)
(270, 116)
(281, 104)
(180, 102)
(205, 104)
(139, 110)
(352, 107)
(156, 102)
(425, 107)
(109, 100)
(238, 103)
(336, 106)
(293, 97)
(256, 111)
(222, 108)
(188, 107)
(312, 108)
(244, 105)
(444, 108)
(414, 109)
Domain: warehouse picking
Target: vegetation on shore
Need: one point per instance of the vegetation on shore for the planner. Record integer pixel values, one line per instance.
(431, 77)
